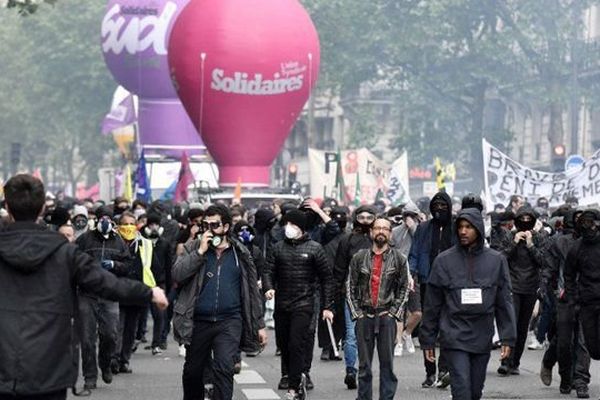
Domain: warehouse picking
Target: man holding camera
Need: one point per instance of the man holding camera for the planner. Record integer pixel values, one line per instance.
(219, 308)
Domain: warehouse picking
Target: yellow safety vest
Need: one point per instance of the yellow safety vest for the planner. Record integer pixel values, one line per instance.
(146, 249)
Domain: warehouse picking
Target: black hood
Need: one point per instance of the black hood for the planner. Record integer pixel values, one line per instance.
(526, 210)
(25, 245)
(473, 216)
(361, 209)
(444, 197)
(569, 220)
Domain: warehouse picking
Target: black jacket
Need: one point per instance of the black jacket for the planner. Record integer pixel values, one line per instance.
(112, 248)
(188, 272)
(393, 284)
(348, 247)
(582, 273)
(292, 269)
(525, 263)
(39, 276)
(468, 327)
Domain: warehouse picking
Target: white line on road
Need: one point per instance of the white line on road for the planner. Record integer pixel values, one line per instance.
(248, 377)
(260, 394)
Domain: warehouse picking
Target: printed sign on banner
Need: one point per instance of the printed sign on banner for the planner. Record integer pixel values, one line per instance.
(505, 177)
(373, 173)
(398, 183)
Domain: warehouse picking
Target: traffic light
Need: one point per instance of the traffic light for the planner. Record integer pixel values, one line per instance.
(559, 153)
(292, 173)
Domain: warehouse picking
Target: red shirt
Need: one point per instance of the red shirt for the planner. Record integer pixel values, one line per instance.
(376, 278)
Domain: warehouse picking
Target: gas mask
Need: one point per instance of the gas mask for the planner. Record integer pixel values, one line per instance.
(105, 226)
(153, 233)
(245, 236)
(292, 232)
(80, 223)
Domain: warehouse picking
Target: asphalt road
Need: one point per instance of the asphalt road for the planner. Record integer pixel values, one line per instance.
(159, 377)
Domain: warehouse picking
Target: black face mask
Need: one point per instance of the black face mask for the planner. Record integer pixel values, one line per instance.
(364, 228)
(442, 216)
(120, 210)
(523, 226)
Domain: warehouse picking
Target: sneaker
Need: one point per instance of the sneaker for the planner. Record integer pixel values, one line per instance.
(535, 345)
(350, 379)
(514, 371)
(182, 350)
(156, 350)
(565, 388)
(309, 383)
(408, 343)
(398, 349)
(325, 355)
(284, 383)
(163, 346)
(582, 392)
(114, 367)
(443, 380)
(428, 382)
(503, 370)
(546, 375)
(107, 375)
(89, 386)
(253, 353)
(125, 369)
(291, 396)
(237, 368)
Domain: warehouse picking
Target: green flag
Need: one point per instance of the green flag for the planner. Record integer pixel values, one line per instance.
(357, 192)
(339, 180)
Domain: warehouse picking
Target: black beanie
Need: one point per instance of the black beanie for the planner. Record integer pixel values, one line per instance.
(296, 217)
(104, 211)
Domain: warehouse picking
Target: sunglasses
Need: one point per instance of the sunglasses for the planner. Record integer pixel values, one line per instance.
(211, 225)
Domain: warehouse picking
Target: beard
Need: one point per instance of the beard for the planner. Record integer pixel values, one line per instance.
(380, 241)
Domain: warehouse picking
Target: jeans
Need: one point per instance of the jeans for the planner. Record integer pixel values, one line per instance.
(523, 304)
(350, 346)
(547, 314)
(171, 296)
(98, 319)
(368, 331)
(158, 318)
(128, 323)
(293, 329)
(222, 338)
(142, 324)
(567, 347)
(590, 323)
(467, 372)
(59, 395)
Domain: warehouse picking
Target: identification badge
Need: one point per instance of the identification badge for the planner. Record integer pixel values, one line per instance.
(470, 296)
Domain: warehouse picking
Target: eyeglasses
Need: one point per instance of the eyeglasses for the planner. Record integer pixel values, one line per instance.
(381, 228)
(211, 225)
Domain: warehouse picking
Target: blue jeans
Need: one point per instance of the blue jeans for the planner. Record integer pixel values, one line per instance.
(350, 348)
(548, 309)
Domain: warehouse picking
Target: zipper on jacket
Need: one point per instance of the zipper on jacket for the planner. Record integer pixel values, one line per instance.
(218, 286)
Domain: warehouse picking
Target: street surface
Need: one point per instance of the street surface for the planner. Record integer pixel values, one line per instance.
(159, 377)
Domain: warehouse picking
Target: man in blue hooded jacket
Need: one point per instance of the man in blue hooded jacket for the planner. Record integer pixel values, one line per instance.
(469, 285)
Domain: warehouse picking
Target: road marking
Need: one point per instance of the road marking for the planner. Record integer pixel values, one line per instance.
(260, 394)
(248, 377)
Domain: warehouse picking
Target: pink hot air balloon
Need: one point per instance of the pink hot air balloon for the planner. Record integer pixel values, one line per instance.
(244, 70)
(134, 43)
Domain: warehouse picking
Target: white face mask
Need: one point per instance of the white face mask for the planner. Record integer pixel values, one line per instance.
(291, 232)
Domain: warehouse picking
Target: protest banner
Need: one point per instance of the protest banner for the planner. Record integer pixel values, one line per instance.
(505, 177)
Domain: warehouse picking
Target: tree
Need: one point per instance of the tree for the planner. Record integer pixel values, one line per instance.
(26, 7)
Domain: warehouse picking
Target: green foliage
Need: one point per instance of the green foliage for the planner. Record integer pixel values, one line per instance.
(55, 88)
(27, 7)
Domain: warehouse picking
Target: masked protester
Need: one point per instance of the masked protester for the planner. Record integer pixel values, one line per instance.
(192, 229)
(360, 238)
(161, 270)
(80, 220)
(264, 221)
(120, 205)
(394, 215)
(430, 239)
(526, 252)
(567, 346)
(291, 271)
(582, 277)
(219, 308)
(99, 318)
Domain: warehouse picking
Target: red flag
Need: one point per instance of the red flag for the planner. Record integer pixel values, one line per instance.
(186, 178)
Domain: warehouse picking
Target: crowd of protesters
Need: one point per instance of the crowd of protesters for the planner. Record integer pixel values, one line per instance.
(444, 272)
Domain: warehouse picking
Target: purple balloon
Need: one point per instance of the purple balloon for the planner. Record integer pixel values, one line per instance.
(135, 34)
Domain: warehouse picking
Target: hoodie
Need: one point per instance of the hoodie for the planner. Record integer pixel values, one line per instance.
(40, 273)
(461, 324)
(430, 239)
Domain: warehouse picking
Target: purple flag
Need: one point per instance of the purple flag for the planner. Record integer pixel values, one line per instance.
(120, 116)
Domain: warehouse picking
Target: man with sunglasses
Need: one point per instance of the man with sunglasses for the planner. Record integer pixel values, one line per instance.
(359, 239)
(219, 308)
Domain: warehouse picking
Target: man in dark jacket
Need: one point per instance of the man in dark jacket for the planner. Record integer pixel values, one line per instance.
(216, 269)
(430, 239)
(526, 252)
(468, 287)
(359, 239)
(582, 279)
(99, 318)
(293, 268)
(377, 288)
(567, 346)
(39, 276)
